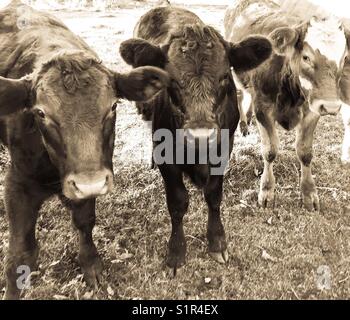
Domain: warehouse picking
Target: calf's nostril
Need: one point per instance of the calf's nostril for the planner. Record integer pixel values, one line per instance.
(72, 184)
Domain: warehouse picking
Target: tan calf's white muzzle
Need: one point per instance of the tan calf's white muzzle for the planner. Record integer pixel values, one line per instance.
(326, 107)
(88, 185)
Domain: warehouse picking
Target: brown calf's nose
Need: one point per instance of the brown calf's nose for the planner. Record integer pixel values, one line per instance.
(90, 185)
(326, 107)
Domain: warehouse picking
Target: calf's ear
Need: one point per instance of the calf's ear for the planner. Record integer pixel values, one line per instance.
(249, 53)
(14, 95)
(139, 53)
(141, 84)
(283, 39)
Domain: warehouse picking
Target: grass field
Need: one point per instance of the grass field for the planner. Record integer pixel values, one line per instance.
(274, 254)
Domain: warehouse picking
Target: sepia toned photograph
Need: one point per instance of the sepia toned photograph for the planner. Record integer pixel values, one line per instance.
(174, 150)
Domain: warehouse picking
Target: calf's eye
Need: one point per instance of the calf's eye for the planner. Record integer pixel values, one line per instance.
(114, 107)
(40, 113)
(306, 59)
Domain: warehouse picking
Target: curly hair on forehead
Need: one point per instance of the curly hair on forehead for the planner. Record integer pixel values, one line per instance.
(196, 31)
(201, 34)
(77, 69)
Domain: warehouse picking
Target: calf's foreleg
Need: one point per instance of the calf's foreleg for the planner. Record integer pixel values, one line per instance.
(22, 206)
(177, 201)
(305, 136)
(270, 144)
(345, 157)
(84, 217)
(244, 105)
(215, 231)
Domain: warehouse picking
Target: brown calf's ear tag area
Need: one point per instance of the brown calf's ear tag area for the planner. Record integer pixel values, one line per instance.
(139, 53)
(14, 94)
(283, 38)
(249, 53)
(141, 84)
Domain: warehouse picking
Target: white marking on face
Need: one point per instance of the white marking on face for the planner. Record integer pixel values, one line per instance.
(328, 37)
(306, 84)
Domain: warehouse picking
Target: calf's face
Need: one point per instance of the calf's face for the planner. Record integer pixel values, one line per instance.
(198, 61)
(73, 102)
(74, 113)
(317, 52)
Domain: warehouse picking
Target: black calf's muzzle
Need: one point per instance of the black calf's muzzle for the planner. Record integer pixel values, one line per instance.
(204, 134)
(88, 184)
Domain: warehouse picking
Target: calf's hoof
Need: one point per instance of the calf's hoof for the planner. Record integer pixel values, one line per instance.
(220, 257)
(311, 202)
(218, 249)
(266, 199)
(177, 248)
(93, 272)
(176, 260)
(244, 128)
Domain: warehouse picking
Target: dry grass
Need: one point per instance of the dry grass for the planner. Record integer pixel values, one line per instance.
(133, 223)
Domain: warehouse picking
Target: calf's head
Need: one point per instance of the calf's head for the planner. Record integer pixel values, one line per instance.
(198, 61)
(73, 100)
(316, 52)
